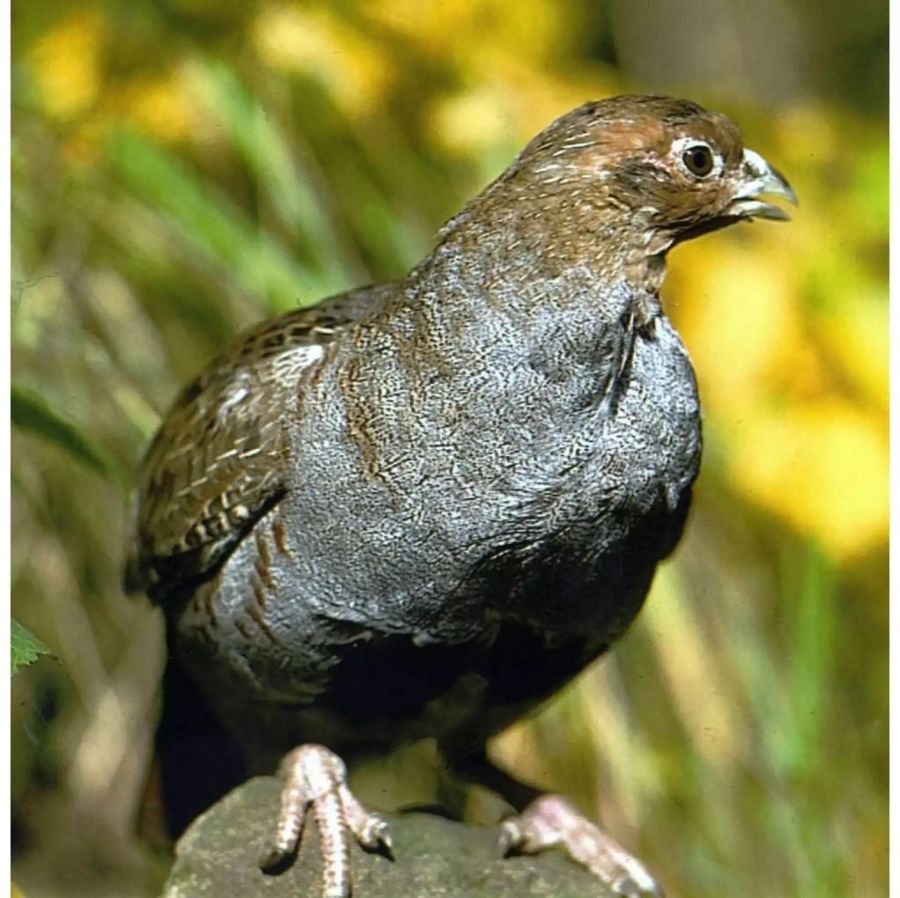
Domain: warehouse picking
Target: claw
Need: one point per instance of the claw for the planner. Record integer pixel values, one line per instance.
(628, 888)
(374, 835)
(274, 860)
(509, 839)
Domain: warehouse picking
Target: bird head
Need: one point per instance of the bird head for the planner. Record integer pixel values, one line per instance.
(646, 172)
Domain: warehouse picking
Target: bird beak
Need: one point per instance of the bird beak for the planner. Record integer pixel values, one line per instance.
(757, 178)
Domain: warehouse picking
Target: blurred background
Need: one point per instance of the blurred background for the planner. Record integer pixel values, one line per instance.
(182, 168)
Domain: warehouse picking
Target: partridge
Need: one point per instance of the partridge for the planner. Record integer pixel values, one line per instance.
(418, 509)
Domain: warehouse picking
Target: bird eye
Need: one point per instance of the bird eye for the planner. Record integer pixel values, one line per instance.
(698, 159)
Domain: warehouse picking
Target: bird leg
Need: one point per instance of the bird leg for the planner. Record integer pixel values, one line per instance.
(316, 778)
(544, 821)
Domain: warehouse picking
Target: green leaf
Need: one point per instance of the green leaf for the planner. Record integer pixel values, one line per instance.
(25, 646)
(272, 160)
(31, 412)
(210, 223)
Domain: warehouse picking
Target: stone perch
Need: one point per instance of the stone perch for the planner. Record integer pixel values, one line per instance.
(434, 857)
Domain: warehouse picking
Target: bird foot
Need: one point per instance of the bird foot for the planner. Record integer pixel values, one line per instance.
(552, 820)
(315, 778)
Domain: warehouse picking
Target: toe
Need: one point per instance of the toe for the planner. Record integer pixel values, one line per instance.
(552, 820)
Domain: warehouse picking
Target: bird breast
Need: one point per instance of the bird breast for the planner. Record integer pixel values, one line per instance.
(510, 480)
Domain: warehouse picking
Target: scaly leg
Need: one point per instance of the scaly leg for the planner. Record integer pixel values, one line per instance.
(315, 777)
(552, 820)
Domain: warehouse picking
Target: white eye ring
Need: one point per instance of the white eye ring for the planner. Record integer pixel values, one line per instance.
(680, 149)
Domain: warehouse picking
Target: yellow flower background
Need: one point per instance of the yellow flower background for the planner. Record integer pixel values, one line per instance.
(181, 169)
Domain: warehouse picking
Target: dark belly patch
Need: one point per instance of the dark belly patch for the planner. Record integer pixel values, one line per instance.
(391, 678)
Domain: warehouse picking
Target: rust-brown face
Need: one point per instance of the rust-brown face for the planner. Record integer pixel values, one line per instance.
(664, 169)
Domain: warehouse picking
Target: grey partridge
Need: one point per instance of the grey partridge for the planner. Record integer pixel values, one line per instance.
(418, 509)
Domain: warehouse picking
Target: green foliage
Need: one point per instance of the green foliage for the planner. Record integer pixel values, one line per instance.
(25, 647)
(201, 218)
(31, 413)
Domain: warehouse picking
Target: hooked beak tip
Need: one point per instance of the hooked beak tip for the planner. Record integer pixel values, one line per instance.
(758, 179)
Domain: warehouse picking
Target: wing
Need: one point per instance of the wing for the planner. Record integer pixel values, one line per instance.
(219, 461)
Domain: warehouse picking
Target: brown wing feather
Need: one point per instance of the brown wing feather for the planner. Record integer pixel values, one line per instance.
(220, 458)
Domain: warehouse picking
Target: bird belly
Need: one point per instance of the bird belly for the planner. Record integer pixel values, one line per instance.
(352, 686)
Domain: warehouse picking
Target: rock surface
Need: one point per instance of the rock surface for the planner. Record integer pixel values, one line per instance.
(434, 857)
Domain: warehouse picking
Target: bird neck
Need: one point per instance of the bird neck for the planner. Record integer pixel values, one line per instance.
(527, 242)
